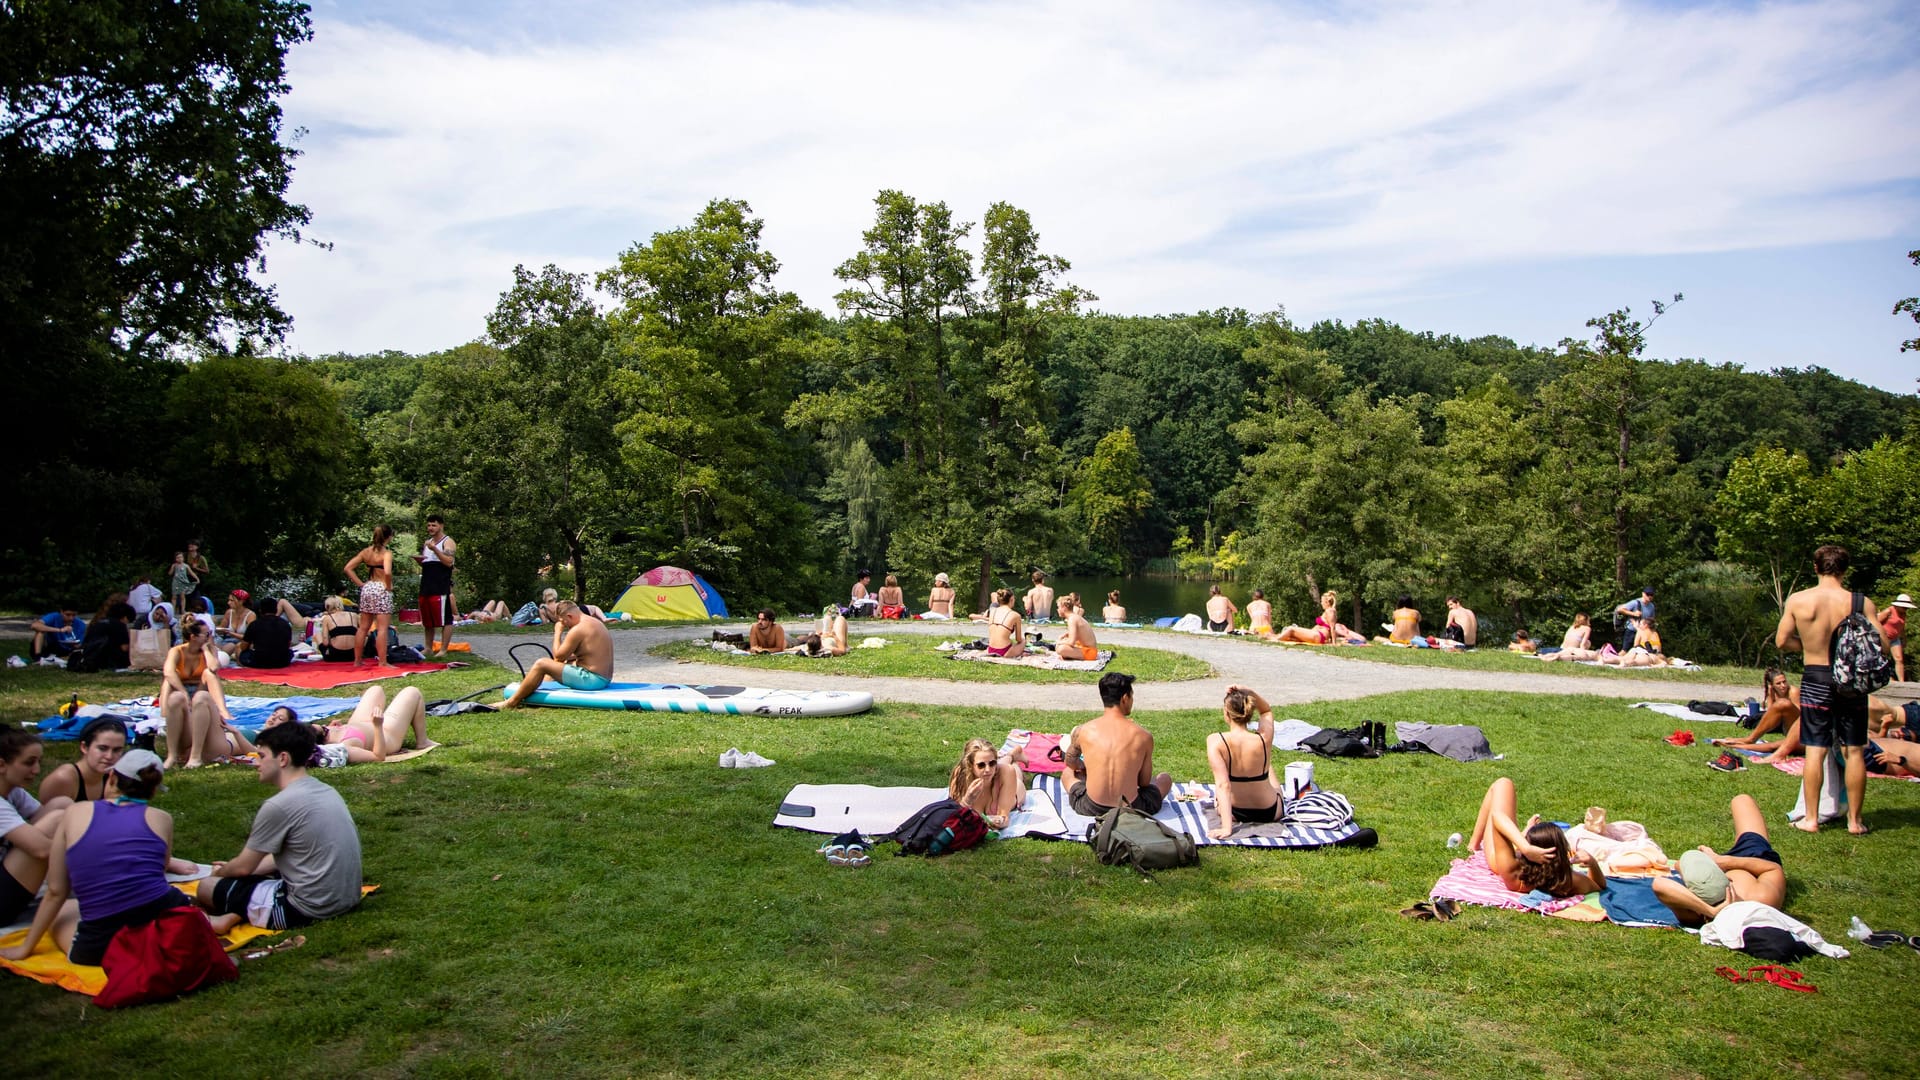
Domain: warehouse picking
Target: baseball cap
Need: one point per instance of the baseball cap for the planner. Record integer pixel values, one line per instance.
(1703, 876)
(135, 761)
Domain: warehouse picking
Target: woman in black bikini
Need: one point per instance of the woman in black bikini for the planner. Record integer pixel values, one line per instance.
(1251, 795)
(102, 742)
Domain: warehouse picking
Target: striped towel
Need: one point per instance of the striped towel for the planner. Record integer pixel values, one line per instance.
(1472, 881)
(1190, 817)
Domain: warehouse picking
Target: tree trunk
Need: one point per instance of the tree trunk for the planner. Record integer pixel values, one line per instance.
(1620, 503)
(985, 593)
(577, 555)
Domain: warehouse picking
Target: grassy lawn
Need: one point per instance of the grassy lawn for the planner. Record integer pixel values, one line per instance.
(917, 658)
(585, 893)
(1499, 659)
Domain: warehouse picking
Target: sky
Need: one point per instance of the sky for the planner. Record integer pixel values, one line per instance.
(1469, 168)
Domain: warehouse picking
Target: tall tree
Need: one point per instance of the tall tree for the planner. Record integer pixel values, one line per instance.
(1110, 493)
(1764, 516)
(1910, 306)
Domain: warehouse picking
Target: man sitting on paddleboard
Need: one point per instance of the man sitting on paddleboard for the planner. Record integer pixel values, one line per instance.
(582, 655)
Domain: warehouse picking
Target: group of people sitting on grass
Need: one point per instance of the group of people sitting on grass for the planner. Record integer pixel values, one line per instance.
(104, 853)
(1893, 748)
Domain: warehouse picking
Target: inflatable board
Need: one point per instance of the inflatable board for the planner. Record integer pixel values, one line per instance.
(680, 698)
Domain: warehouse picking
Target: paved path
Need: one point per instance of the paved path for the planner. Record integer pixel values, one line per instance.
(1285, 676)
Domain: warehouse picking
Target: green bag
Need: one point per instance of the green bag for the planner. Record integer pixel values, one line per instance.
(1124, 836)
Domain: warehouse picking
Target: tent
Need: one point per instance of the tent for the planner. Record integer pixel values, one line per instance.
(668, 592)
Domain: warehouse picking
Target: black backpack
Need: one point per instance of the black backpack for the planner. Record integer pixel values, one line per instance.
(938, 829)
(1335, 742)
(1860, 661)
(1712, 708)
(1124, 836)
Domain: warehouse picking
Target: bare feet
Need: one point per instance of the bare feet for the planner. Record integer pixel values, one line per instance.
(1807, 825)
(223, 924)
(194, 763)
(1858, 828)
(428, 745)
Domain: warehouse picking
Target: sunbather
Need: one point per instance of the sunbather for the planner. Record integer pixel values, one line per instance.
(582, 656)
(234, 621)
(1636, 657)
(893, 601)
(376, 594)
(1782, 711)
(939, 599)
(1243, 796)
(765, 635)
(1039, 599)
(1579, 635)
(374, 730)
(191, 700)
(491, 611)
(1901, 721)
(1750, 870)
(1078, 642)
(1534, 859)
(1326, 630)
(1109, 759)
(1260, 615)
(1003, 628)
(1406, 623)
(1113, 612)
(27, 825)
(1523, 643)
(1893, 757)
(984, 782)
(1220, 610)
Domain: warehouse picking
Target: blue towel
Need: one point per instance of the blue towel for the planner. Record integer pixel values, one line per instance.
(249, 714)
(1630, 902)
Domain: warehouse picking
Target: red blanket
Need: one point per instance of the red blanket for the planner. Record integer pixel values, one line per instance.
(325, 675)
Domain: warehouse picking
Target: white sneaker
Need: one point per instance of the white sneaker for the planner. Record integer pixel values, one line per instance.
(731, 759)
(751, 760)
(14, 661)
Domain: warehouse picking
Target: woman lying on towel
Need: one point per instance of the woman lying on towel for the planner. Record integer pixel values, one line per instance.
(982, 781)
(1326, 630)
(1537, 858)
(375, 729)
(1249, 795)
(112, 858)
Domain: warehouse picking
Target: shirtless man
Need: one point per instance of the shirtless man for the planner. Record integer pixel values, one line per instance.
(766, 636)
(1826, 717)
(1078, 642)
(1220, 610)
(1003, 627)
(1109, 759)
(1750, 870)
(1039, 599)
(939, 599)
(582, 655)
(1463, 625)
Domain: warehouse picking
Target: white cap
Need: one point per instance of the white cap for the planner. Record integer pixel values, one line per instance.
(135, 761)
(941, 579)
(1903, 600)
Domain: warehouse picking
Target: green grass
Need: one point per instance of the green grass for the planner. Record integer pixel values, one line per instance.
(917, 658)
(585, 893)
(1499, 659)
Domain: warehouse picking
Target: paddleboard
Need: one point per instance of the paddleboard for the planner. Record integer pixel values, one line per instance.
(682, 698)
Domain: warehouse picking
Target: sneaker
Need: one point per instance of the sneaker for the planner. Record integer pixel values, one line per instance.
(731, 759)
(1728, 761)
(750, 760)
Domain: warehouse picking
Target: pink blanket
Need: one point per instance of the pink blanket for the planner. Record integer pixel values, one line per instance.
(1472, 881)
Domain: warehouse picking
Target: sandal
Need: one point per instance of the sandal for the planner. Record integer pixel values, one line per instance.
(1880, 939)
(1422, 911)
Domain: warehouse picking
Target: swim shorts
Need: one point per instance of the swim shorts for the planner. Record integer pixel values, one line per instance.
(1826, 716)
(436, 612)
(1751, 845)
(375, 599)
(1147, 800)
(574, 677)
(1076, 651)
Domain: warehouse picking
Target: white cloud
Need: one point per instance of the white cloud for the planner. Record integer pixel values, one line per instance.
(1182, 156)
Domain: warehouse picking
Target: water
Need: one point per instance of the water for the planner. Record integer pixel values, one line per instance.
(1148, 598)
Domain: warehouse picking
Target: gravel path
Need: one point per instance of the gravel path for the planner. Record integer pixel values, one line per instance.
(1284, 676)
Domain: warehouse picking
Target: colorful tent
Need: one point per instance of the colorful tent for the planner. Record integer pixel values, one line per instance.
(668, 592)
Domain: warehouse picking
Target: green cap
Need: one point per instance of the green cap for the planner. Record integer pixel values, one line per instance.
(1703, 876)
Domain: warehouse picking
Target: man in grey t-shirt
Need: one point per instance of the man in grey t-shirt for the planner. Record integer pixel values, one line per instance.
(301, 862)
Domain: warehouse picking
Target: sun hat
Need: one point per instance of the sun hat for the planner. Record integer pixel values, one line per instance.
(941, 579)
(1703, 876)
(135, 761)
(1903, 600)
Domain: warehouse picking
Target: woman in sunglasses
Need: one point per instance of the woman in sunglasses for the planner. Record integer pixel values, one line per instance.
(984, 782)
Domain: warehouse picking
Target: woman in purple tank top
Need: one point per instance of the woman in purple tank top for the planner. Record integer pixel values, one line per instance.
(111, 857)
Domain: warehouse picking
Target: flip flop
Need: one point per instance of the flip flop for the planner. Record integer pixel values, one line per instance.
(1421, 911)
(1445, 910)
(1880, 939)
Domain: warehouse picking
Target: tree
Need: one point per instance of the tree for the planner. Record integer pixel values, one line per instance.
(710, 354)
(1111, 492)
(1910, 306)
(1868, 503)
(1764, 517)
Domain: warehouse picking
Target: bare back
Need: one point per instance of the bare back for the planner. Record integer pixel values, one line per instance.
(1118, 755)
(940, 600)
(1039, 601)
(1003, 627)
(1812, 615)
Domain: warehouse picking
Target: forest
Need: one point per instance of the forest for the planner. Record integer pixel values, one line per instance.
(966, 408)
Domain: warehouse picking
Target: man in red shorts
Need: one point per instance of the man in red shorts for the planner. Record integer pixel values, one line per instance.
(436, 560)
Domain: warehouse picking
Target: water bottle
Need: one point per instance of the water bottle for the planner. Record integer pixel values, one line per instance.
(1455, 840)
(1858, 930)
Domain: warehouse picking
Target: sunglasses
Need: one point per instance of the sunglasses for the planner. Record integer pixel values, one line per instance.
(985, 763)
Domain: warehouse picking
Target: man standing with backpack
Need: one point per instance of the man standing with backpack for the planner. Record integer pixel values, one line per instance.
(1828, 712)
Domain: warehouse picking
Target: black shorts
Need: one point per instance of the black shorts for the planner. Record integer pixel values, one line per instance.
(1220, 627)
(92, 936)
(1827, 717)
(1751, 845)
(234, 896)
(14, 898)
(1147, 800)
(1250, 816)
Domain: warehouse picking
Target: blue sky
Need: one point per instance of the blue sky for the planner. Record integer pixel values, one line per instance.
(1473, 168)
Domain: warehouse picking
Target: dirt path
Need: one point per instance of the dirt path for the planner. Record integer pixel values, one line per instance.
(1285, 676)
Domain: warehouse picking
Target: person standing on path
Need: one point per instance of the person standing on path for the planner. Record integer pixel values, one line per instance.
(1826, 716)
(437, 610)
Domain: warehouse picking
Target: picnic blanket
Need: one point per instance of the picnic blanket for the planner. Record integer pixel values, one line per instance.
(249, 714)
(1045, 660)
(1189, 810)
(1036, 749)
(1681, 712)
(875, 811)
(1472, 881)
(51, 966)
(324, 674)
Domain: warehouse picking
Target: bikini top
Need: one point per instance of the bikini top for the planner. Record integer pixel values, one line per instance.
(190, 663)
(1265, 767)
(995, 620)
(85, 795)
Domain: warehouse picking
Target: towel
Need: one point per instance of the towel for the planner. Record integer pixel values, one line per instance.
(1186, 810)
(1472, 881)
(1036, 748)
(1681, 712)
(249, 714)
(324, 675)
(1045, 660)
(1631, 902)
(1798, 767)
